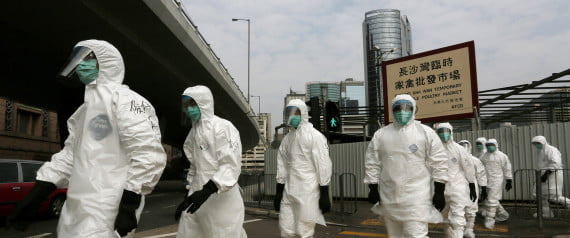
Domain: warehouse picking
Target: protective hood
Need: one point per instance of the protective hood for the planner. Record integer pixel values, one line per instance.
(482, 140)
(111, 65)
(203, 97)
(540, 139)
(494, 142)
(303, 107)
(469, 148)
(447, 126)
(407, 98)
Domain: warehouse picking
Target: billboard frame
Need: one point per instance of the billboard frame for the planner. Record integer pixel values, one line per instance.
(470, 45)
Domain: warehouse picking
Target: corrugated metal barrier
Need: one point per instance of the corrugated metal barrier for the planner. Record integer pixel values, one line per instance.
(549, 200)
(515, 142)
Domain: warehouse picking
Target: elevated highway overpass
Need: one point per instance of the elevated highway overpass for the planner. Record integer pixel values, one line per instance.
(162, 49)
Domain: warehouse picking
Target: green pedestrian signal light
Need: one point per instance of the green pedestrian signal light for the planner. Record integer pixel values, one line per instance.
(332, 117)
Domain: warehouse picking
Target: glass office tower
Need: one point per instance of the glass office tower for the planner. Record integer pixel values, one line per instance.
(386, 35)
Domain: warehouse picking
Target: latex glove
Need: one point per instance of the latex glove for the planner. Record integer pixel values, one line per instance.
(126, 220)
(472, 192)
(544, 177)
(183, 206)
(438, 196)
(373, 194)
(199, 197)
(324, 201)
(509, 184)
(27, 209)
(278, 196)
(483, 193)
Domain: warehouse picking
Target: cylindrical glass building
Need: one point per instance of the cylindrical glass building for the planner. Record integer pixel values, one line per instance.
(386, 35)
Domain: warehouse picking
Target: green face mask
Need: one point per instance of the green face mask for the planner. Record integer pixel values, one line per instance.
(479, 147)
(193, 113)
(87, 71)
(402, 117)
(491, 148)
(445, 137)
(294, 121)
(539, 146)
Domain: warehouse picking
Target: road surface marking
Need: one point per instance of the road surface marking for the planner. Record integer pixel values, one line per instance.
(252, 220)
(163, 235)
(169, 206)
(354, 233)
(478, 227)
(40, 235)
(373, 222)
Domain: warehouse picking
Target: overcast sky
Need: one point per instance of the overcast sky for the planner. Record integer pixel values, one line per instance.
(298, 41)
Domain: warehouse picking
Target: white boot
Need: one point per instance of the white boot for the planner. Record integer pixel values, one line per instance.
(489, 223)
(469, 233)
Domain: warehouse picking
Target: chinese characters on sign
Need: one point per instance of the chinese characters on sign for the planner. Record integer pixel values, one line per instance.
(443, 82)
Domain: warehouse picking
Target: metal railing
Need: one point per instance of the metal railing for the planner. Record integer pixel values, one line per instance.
(541, 197)
(258, 190)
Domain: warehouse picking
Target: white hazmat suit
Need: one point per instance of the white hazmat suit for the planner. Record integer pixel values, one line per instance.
(498, 169)
(481, 181)
(550, 158)
(113, 145)
(405, 196)
(303, 164)
(457, 194)
(213, 148)
(479, 152)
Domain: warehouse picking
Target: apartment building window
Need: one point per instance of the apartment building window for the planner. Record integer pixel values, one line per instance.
(29, 122)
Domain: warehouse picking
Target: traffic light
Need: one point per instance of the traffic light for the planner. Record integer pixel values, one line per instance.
(332, 117)
(315, 112)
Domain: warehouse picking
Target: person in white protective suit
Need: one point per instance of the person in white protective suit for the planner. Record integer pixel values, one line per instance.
(214, 206)
(480, 148)
(460, 191)
(479, 151)
(112, 157)
(498, 168)
(481, 181)
(304, 171)
(552, 178)
(402, 160)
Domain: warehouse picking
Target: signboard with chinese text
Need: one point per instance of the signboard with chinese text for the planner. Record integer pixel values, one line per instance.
(443, 82)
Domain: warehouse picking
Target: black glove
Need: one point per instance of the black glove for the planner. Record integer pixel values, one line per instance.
(27, 209)
(438, 197)
(472, 192)
(324, 202)
(373, 194)
(483, 193)
(199, 197)
(509, 184)
(278, 196)
(183, 206)
(544, 177)
(126, 219)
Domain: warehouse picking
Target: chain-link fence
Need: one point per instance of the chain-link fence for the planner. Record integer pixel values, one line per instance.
(539, 194)
(258, 190)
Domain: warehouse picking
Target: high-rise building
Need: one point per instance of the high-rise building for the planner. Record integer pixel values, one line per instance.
(352, 96)
(386, 35)
(352, 103)
(326, 91)
(254, 159)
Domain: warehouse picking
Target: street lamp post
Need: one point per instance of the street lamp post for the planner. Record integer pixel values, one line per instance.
(248, 52)
(259, 104)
